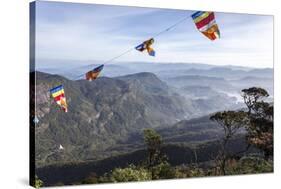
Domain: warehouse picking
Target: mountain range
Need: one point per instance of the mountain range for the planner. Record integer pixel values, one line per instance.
(105, 113)
(106, 117)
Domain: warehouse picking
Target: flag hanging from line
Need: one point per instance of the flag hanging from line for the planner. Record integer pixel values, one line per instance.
(146, 45)
(59, 97)
(206, 24)
(93, 74)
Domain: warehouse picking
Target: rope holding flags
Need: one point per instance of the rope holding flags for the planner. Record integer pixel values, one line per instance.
(204, 21)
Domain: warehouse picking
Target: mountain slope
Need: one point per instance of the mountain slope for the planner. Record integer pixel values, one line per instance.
(100, 114)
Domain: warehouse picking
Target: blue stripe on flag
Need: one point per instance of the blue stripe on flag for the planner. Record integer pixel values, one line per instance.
(152, 53)
(98, 69)
(139, 46)
(197, 14)
(56, 89)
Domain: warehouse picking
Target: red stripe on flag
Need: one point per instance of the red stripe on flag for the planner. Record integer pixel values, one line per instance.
(205, 21)
(57, 98)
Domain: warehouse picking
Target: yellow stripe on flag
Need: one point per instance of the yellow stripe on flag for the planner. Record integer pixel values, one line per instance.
(58, 93)
(205, 15)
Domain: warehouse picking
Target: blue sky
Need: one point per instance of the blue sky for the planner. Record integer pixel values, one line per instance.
(72, 31)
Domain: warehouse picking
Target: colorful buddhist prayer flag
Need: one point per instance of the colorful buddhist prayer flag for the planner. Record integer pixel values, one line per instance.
(206, 24)
(93, 74)
(59, 97)
(146, 45)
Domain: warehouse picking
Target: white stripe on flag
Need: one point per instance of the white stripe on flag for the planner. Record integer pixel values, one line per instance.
(210, 24)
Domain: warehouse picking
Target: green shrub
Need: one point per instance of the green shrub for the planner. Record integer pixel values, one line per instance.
(250, 165)
(131, 173)
(37, 182)
(163, 171)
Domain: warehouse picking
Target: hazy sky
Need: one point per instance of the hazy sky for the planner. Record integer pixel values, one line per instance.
(96, 32)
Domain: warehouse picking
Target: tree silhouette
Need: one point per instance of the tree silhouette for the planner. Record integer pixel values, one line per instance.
(252, 95)
(231, 122)
(157, 163)
(260, 114)
(153, 143)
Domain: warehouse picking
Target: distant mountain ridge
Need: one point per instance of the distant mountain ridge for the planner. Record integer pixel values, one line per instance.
(68, 69)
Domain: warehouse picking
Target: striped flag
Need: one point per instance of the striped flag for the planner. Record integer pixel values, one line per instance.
(59, 97)
(93, 74)
(206, 24)
(146, 45)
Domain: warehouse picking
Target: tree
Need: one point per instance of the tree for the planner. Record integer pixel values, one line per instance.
(260, 114)
(153, 143)
(157, 163)
(231, 122)
(252, 95)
